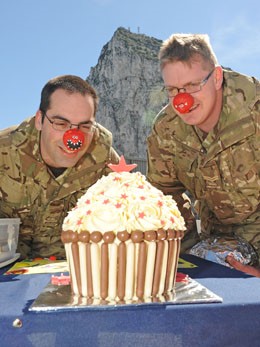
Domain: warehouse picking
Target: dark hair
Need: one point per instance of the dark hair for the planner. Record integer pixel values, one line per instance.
(70, 83)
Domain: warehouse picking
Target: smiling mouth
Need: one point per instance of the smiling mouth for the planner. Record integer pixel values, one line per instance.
(66, 151)
(192, 109)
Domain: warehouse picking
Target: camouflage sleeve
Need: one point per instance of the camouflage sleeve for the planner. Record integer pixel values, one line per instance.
(160, 165)
(25, 242)
(113, 158)
(162, 175)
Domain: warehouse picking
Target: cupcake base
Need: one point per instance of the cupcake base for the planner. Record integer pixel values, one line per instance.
(123, 267)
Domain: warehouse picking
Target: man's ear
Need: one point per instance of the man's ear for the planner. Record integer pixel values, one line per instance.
(218, 77)
(38, 120)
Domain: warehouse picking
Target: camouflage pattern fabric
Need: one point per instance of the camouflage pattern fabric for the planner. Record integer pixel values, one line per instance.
(29, 190)
(220, 171)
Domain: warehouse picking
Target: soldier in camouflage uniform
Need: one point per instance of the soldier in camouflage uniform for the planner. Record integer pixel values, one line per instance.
(40, 178)
(211, 150)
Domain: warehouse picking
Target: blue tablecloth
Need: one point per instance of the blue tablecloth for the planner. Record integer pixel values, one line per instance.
(235, 322)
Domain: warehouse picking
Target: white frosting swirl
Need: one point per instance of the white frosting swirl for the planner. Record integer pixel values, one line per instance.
(124, 201)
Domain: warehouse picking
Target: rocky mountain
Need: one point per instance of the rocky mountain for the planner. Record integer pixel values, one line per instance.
(128, 82)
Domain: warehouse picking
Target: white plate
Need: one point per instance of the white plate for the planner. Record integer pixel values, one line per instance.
(9, 261)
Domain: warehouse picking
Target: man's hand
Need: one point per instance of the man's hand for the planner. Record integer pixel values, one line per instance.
(248, 269)
(186, 212)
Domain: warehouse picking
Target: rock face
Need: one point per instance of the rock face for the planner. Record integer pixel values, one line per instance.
(128, 81)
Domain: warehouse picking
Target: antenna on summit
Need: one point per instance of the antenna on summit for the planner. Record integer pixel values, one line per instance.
(138, 30)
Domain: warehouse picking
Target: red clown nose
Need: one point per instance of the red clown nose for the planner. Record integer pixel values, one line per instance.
(73, 139)
(183, 102)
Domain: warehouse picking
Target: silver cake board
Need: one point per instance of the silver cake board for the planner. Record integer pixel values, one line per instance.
(56, 298)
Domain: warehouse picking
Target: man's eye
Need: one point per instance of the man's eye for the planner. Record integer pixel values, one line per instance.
(170, 90)
(61, 123)
(193, 85)
(86, 126)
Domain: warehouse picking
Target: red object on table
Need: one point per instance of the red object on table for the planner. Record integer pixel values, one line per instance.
(61, 280)
(181, 277)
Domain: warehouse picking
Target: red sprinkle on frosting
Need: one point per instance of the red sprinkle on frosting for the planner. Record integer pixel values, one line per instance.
(141, 215)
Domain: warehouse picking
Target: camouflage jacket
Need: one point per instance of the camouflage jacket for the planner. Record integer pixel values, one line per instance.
(29, 190)
(222, 170)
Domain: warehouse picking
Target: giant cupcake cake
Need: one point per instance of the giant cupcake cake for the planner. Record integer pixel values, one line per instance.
(122, 239)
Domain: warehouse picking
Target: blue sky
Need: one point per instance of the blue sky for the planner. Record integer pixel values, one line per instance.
(40, 39)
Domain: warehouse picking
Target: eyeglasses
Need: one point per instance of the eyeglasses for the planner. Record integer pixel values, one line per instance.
(63, 125)
(190, 88)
